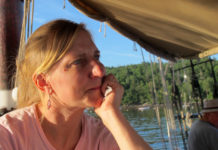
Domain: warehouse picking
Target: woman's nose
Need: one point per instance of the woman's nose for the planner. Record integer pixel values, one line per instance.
(98, 69)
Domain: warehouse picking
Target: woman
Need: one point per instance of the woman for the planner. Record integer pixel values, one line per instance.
(59, 76)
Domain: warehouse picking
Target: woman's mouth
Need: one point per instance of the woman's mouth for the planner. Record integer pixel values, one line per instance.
(95, 88)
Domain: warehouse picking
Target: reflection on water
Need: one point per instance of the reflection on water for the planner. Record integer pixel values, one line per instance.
(146, 124)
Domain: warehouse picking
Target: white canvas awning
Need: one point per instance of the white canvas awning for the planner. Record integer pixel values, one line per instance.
(168, 28)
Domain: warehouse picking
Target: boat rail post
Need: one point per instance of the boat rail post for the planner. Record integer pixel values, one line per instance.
(196, 88)
(215, 90)
(176, 99)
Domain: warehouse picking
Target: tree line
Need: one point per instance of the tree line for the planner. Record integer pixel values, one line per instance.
(137, 80)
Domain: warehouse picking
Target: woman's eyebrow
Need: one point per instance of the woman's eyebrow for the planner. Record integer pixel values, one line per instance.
(84, 54)
(97, 51)
(81, 55)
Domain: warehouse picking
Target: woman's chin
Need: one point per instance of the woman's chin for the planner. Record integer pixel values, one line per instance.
(95, 101)
(98, 103)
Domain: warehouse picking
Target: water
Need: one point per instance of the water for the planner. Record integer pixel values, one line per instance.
(146, 124)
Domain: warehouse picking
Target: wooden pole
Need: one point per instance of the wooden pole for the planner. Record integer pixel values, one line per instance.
(11, 13)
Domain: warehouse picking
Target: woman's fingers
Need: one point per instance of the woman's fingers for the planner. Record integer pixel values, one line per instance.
(107, 91)
(112, 91)
(98, 103)
(109, 81)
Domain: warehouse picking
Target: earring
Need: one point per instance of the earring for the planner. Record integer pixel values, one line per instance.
(49, 101)
(48, 104)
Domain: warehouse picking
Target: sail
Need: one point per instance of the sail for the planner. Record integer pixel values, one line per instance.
(169, 29)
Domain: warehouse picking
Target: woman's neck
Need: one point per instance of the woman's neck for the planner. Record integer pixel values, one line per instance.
(61, 126)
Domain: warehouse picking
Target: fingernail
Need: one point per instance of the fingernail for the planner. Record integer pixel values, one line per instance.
(107, 91)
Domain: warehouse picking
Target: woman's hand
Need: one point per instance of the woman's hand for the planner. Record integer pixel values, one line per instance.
(111, 102)
(109, 111)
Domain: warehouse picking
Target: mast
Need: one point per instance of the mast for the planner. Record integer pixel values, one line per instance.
(11, 13)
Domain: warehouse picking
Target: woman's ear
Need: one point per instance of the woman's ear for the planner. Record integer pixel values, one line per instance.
(40, 81)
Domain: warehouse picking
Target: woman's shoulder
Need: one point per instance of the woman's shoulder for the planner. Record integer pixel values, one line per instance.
(16, 121)
(20, 129)
(93, 124)
(17, 116)
(95, 134)
(92, 120)
(14, 126)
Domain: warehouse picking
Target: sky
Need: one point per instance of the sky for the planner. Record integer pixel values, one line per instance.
(116, 50)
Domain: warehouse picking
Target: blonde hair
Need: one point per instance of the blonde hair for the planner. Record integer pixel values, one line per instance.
(45, 47)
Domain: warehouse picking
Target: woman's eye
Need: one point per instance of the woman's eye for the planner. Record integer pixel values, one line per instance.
(97, 57)
(77, 62)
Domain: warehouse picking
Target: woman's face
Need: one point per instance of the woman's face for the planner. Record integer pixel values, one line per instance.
(77, 78)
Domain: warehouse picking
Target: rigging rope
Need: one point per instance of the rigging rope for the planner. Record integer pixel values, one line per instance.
(100, 28)
(25, 28)
(28, 16)
(64, 4)
(134, 46)
(104, 29)
(155, 100)
(169, 112)
(23, 32)
(33, 1)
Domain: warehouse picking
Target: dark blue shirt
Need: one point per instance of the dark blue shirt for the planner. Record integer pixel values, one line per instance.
(203, 136)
